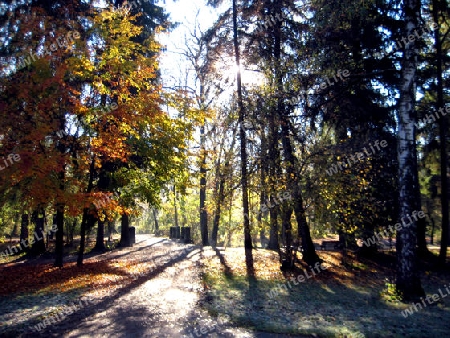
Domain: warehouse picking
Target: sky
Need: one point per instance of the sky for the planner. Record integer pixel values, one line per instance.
(184, 12)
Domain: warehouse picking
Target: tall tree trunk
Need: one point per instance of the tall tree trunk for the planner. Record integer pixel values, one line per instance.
(184, 220)
(175, 205)
(292, 176)
(70, 231)
(15, 228)
(155, 217)
(273, 232)
(432, 231)
(100, 243)
(422, 249)
(264, 165)
(59, 240)
(408, 281)
(103, 185)
(203, 211)
(59, 236)
(24, 230)
(84, 218)
(286, 213)
(309, 252)
(247, 235)
(38, 247)
(443, 129)
(220, 178)
(278, 111)
(273, 163)
(220, 188)
(83, 227)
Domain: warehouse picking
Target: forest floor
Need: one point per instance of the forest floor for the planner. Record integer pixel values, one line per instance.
(353, 297)
(153, 289)
(159, 288)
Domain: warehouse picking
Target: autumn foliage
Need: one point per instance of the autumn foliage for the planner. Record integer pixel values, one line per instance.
(96, 99)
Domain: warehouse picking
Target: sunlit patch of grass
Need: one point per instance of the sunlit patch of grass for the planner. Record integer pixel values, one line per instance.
(12, 258)
(339, 302)
(390, 293)
(359, 266)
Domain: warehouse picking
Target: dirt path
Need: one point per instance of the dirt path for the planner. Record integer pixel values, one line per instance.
(161, 302)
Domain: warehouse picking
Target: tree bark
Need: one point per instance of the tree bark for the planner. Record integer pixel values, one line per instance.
(59, 240)
(70, 231)
(408, 281)
(220, 178)
(203, 211)
(175, 205)
(82, 236)
(38, 247)
(273, 163)
(24, 230)
(100, 243)
(443, 130)
(273, 232)
(309, 254)
(84, 218)
(155, 217)
(264, 165)
(15, 229)
(292, 176)
(286, 213)
(220, 188)
(247, 235)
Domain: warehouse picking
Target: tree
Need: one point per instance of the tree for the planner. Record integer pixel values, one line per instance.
(199, 57)
(86, 215)
(38, 218)
(443, 133)
(65, 137)
(243, 147)
(223, 172)
(38, 107)
(408, 280)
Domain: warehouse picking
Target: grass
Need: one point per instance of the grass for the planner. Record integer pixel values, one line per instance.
(355, 299)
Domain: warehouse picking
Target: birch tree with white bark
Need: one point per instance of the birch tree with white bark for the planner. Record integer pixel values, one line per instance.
(408, 281)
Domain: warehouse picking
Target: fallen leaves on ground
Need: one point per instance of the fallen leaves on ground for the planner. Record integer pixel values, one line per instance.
(100, 275)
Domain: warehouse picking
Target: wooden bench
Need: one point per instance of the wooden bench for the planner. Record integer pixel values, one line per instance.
(330, 245)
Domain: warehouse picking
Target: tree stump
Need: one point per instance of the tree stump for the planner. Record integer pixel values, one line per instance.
(177, 232)
(186, 234)
(132, 231)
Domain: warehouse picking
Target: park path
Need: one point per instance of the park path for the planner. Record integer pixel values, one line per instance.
(163, 302)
